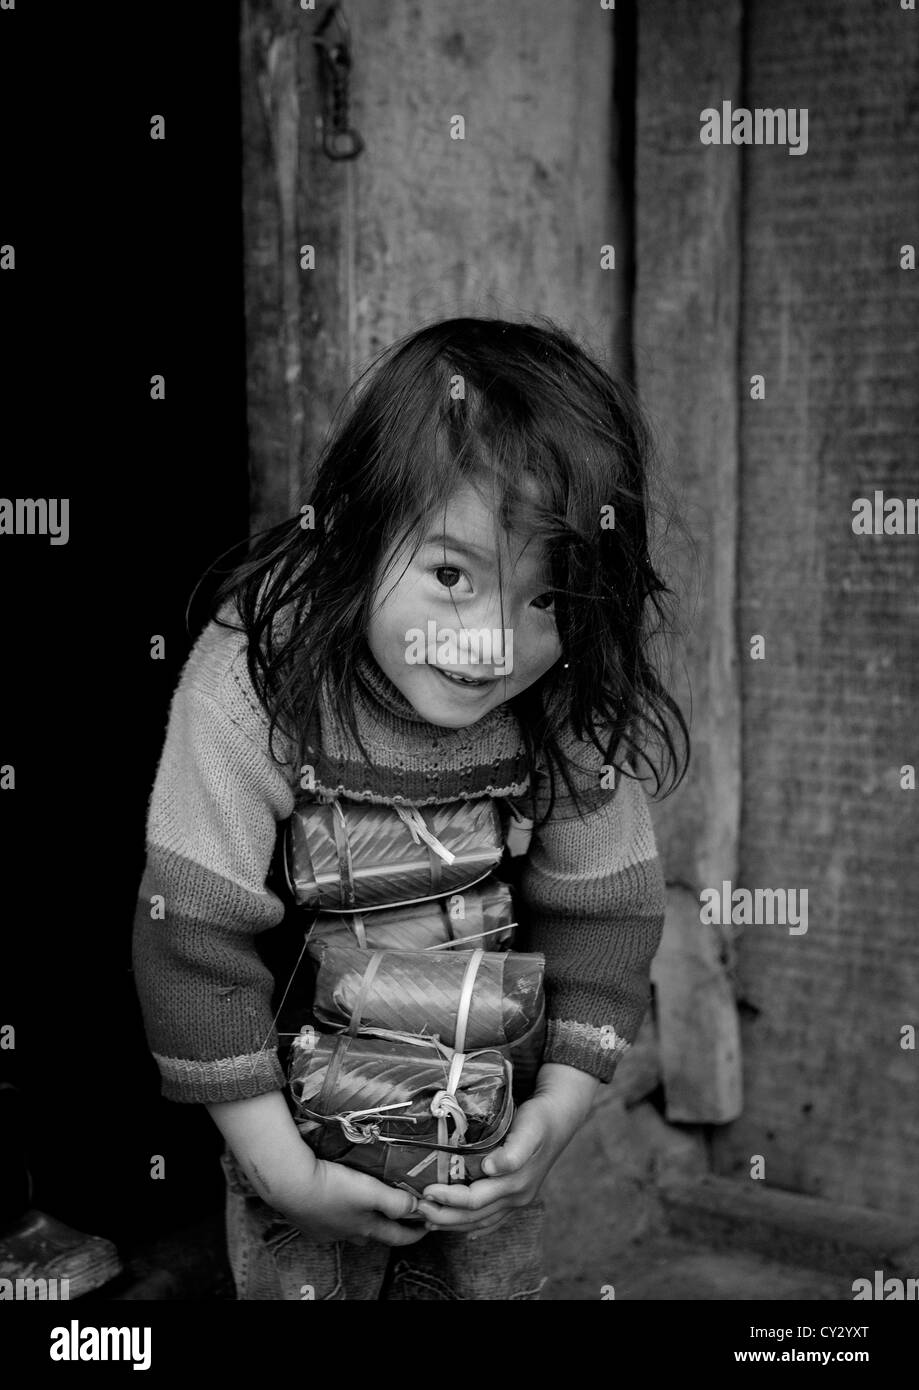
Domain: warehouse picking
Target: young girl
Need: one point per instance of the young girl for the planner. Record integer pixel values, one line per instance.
(487, 477)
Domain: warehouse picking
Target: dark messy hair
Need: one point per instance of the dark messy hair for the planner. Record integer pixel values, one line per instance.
(489, 402)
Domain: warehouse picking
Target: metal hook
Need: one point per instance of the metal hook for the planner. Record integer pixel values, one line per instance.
(332, 37)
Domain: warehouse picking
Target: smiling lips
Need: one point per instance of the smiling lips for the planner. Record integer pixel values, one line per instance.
(474, 683)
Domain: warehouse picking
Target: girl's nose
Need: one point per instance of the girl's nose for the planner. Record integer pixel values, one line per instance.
(494, 638)
(498, 625)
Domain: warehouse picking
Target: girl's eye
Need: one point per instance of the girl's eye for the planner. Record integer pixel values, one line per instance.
(448, 569)
(544, 601)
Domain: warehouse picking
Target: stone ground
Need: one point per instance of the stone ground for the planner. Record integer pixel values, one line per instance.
(606, 1224)
(672, 1269)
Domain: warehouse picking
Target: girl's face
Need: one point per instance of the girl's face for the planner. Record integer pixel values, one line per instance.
(444, 614)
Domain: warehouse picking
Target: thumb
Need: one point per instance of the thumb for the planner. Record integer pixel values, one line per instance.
(518, 1148)
(397, 1203)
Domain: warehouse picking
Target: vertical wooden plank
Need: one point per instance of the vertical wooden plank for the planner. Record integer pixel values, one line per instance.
(326, 211)
(697, 1024)
(510, 220)
(269, 105)
(686, 323)
(830, 714)
(294, 196)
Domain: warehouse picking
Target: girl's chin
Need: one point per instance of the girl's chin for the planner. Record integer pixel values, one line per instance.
(450, 715)
(452, 705)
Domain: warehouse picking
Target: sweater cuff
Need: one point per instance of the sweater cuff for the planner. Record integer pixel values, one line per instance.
(226, 1079)
(598, 1051)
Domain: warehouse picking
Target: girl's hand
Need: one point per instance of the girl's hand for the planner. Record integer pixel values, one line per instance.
(542, 1128)
(338, 1203)
(326, 1201)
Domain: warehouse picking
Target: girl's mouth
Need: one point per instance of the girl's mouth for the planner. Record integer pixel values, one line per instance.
(469, 681)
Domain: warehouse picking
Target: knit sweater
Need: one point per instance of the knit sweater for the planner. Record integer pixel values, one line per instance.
(590, 893)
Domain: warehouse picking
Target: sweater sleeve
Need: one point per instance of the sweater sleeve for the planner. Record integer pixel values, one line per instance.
(211, 828)
(593, 896)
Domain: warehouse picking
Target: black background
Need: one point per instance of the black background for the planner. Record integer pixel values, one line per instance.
(128, 263)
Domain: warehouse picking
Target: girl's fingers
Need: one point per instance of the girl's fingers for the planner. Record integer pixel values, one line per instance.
(395, 1203)
(483, 1193)
(445, 1218)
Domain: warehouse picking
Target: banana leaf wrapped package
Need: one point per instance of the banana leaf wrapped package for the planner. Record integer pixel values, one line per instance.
(421, 992)
(482, 915)
(469, 999)
(342, 856)
(407, 1110)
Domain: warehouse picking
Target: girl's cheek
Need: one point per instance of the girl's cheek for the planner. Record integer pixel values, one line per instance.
(541, 652)
(551, 648)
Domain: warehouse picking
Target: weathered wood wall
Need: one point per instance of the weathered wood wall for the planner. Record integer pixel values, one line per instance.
(508, 221)
(830, 715)
(686, 330)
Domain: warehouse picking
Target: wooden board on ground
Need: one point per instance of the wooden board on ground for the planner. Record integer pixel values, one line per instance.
(698, 1025)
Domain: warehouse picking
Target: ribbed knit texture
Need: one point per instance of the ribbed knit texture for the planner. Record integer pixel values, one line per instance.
(591, 891)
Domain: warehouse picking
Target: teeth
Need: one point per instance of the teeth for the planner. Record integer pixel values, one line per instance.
(464, 680)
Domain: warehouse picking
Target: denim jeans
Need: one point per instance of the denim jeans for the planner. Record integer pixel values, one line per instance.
(271, 1259)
